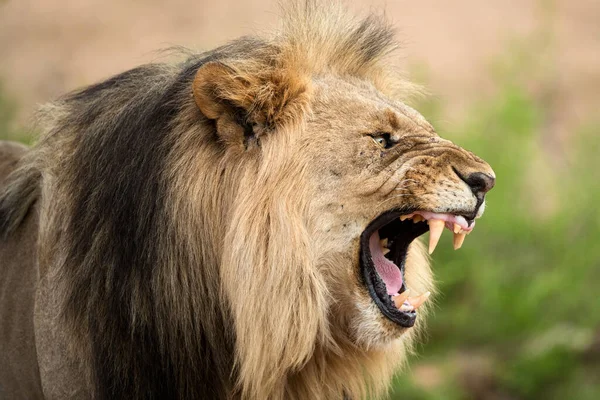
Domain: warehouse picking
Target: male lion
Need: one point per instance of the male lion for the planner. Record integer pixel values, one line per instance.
(239, 225)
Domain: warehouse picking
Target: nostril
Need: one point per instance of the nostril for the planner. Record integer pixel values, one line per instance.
(479, 182)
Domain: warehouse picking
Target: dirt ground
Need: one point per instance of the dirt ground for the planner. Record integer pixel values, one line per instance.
(48, 47)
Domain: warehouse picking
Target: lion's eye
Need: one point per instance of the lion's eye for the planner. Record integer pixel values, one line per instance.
(384, 140)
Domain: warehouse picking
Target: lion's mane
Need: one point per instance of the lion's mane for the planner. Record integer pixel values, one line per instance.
(183, 272)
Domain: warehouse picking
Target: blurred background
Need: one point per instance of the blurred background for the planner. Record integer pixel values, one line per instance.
(516, 81)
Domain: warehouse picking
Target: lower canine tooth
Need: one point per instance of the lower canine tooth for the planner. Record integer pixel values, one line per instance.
(416, 302)
(459, 238)
(399, 300)
(436, 227)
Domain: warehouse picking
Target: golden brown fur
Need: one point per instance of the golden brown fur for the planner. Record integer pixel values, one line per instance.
(200, 223)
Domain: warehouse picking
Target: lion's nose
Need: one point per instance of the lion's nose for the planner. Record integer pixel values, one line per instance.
(479, 182)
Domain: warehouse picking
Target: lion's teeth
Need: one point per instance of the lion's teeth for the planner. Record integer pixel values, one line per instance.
(418, 218)
(459, 238)
(401, 298)
(404, 217)
(416, 302)
(436, 227)
(384, 246)
(457, 228)
(406, 307)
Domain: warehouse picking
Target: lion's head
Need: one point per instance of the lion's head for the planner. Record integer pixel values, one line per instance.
(345, 177)
(246, 223)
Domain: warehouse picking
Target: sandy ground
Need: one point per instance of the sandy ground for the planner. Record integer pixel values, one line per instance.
(48, 47)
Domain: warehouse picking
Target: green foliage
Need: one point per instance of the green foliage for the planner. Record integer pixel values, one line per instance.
(522, 290)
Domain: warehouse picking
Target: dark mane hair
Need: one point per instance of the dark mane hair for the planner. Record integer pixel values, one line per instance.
(143, 301)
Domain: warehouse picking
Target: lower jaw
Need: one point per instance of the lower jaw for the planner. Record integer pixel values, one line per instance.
(386, 306)
(375, 285)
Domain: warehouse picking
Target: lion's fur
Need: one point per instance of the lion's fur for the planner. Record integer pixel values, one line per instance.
(188, 253)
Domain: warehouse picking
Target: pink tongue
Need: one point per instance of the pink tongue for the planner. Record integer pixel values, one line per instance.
(387, 270)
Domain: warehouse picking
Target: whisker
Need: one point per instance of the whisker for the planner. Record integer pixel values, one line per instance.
(392, 198)
(420, 193)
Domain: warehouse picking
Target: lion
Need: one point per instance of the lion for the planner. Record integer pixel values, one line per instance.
(243, 224)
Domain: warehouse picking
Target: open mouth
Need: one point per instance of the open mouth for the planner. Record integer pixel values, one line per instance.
(384, 246)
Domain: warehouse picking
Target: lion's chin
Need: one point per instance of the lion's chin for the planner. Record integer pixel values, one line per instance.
(384, 247)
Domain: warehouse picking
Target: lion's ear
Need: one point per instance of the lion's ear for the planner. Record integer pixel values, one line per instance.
(245, 105)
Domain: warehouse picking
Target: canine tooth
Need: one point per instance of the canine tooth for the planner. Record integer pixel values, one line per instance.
(383, 242)
(404, 217)
(436, 227)
(416, 302)
(459, 238)
(457, 228)
(418, 218)
(385, 250)
(399, 300)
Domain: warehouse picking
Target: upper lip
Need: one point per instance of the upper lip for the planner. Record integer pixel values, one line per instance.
(400, 308)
